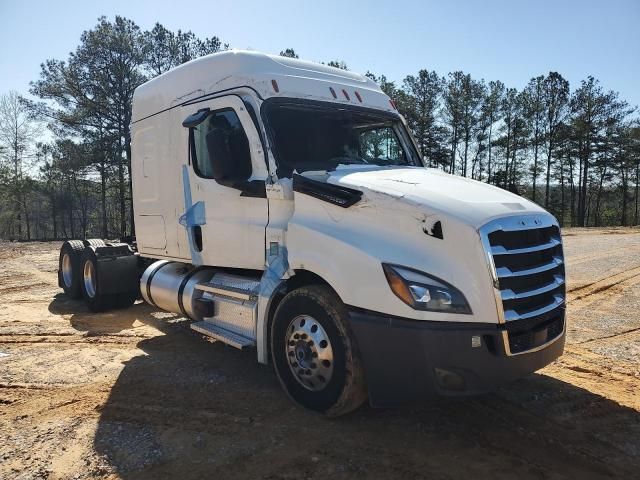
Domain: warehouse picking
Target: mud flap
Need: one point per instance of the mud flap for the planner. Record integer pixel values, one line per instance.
(118, 269)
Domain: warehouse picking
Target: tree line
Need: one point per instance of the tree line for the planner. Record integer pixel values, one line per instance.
(575, 152)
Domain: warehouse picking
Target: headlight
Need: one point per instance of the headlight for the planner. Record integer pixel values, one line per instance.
(425, 292)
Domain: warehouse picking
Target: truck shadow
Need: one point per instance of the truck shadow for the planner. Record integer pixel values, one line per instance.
(189, 408)
(113, 321)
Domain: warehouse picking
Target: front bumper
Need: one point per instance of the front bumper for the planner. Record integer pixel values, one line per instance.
(408, 360)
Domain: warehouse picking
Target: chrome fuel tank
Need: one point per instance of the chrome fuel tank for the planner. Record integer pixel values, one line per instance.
(171, 286)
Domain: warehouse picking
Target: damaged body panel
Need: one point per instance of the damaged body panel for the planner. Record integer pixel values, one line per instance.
(385, 226)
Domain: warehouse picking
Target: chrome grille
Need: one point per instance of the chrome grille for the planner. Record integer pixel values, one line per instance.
(527, 263)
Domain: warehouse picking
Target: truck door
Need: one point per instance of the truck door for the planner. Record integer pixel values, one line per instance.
(224, 182)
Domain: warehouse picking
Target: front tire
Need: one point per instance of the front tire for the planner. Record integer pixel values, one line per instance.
(314, 353)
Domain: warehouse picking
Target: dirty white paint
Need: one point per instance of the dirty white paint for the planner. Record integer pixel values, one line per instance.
(345, 246)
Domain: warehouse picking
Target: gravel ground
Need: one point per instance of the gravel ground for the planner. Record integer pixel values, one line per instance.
(137, 394)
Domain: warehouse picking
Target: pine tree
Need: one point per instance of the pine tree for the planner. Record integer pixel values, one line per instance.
(289, 52)
(421, 107)
(534, 112)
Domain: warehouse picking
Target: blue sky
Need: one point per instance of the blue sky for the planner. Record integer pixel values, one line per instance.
(493, 39)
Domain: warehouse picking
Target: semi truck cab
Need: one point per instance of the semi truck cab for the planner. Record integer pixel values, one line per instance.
(283, 205)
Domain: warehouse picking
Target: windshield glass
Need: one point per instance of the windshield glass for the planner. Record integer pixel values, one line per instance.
(318, 137)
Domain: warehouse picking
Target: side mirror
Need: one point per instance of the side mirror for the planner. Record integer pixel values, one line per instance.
(196, 119)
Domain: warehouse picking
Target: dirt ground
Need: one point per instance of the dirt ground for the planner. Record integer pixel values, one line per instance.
(137, 394)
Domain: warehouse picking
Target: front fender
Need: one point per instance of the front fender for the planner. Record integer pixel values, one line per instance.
(347, 246)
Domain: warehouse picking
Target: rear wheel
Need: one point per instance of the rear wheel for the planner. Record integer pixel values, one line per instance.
(93, 288)
(314, 353)
(69, 275)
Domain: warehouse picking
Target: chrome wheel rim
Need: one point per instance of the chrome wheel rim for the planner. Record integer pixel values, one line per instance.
(67, 270)
(309, 353)
(89, 275)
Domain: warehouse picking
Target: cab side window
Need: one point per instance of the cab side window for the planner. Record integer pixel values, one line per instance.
(220, 148)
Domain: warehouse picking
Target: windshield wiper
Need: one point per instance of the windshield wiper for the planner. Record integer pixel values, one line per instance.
(348, 161)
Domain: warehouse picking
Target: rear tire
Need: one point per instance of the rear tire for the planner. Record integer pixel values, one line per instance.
(93, 289)
(69, 275)
(314, 352)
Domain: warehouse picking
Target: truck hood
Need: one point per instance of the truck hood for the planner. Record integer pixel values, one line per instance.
(472, 202)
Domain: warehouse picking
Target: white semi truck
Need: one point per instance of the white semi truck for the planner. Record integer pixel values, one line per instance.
(283, 205)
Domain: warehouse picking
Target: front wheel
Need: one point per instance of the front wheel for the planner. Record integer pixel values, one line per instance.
(314, 352)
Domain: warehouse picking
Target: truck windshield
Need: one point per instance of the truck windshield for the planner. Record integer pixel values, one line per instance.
(321, 137)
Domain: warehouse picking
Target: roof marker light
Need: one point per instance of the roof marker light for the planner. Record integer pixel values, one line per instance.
(358, 96)
(346, 95)
(274, 84)
(333, 92)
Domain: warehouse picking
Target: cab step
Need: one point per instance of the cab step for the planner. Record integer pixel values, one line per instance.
(214, 331)
(231, 306)
(234, 286)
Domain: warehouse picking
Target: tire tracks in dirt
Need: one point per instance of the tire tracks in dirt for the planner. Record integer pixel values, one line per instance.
(604, 284)
(33, 386)
(602, 295)
(88, 339)
(618, 334)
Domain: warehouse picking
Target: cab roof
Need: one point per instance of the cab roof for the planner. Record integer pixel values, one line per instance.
(268, 75)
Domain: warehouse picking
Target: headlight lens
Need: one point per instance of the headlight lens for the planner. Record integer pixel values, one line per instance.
(425, 292)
